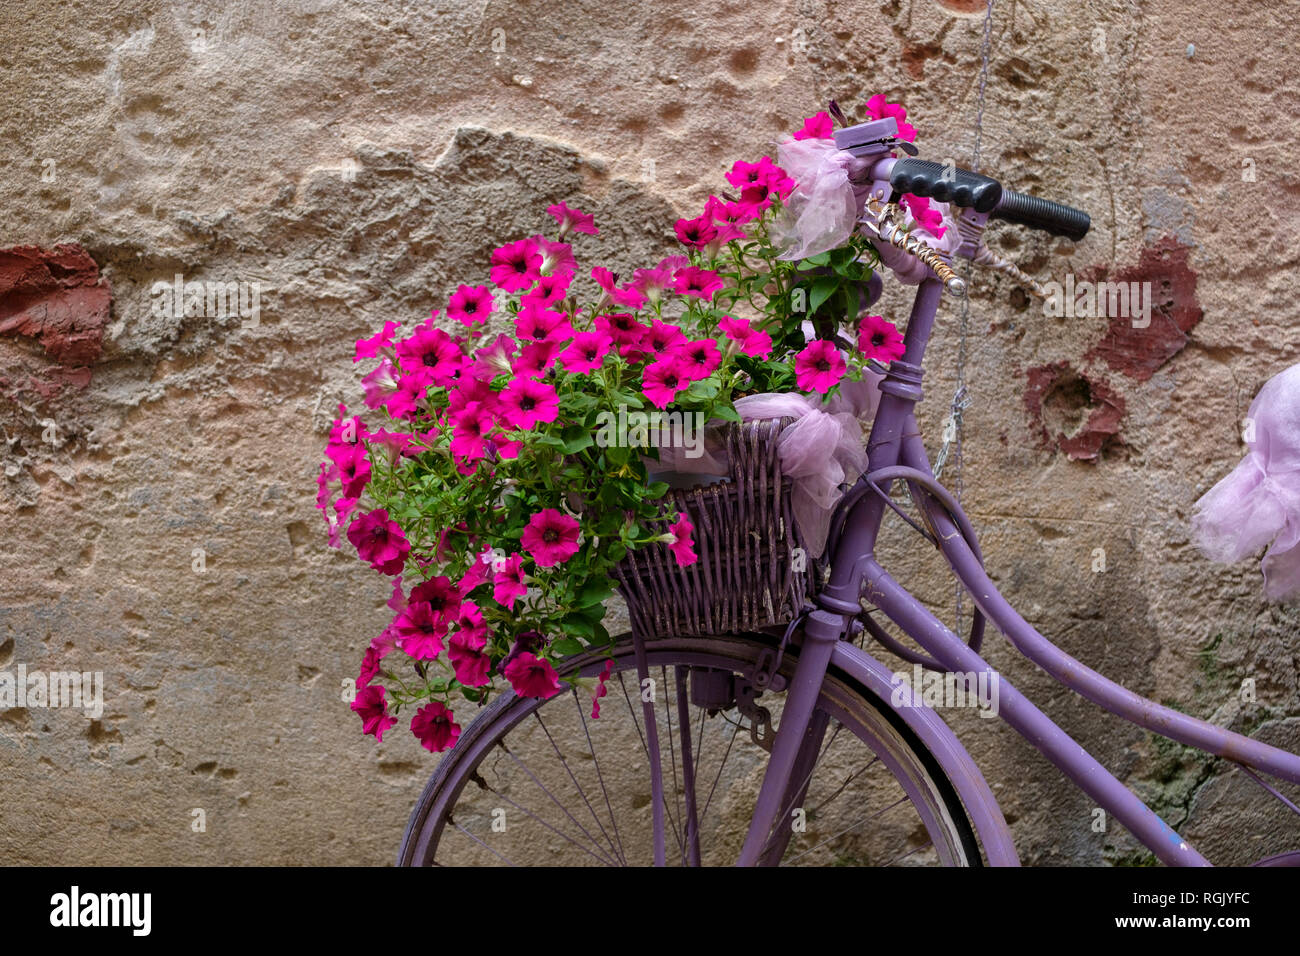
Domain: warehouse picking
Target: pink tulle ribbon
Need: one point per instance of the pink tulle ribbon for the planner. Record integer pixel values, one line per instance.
(821, 211)
(1259, 501)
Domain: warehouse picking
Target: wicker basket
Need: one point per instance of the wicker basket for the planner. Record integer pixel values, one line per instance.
(745, 536)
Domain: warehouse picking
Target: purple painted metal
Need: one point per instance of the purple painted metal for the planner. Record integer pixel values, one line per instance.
(1088, 683)
(652, 746)
(896, 452)
(691, 823)
(822, 631)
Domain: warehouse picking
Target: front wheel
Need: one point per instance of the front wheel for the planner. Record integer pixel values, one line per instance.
(543, 783)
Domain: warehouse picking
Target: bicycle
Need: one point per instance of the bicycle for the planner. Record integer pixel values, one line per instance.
(811, 680)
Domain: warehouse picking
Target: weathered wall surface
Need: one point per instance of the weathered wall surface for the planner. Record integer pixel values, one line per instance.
(358, 160)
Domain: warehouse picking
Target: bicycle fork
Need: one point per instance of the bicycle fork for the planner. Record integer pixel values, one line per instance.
(798, 739)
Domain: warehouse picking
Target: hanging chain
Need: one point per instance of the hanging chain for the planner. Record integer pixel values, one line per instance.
(953, 428)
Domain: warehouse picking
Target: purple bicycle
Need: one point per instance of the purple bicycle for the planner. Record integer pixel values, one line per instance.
(788, 745)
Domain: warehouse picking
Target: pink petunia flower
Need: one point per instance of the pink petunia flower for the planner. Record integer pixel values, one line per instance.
(405, 401)
(371, 347)
(551, 537)
(697, 360)
(532, 676)
(819, 367)
(557, 257)
(818, 126)
(324, 497)
(542, 325)
(758, 182)
(621, 327)
(509, 582)
(625, 296)
(931, 220)
(535, 358)
(469, 429)
(547, 291)
(696, 233)
(370, 706)
(442, 597)
(434, 727)
(475, 574)
(516, 266)
(700, 283)
(494, 359)
(354, 469)
(877, 108)
(419, 631)
(652, 283)
(751, 341)
(379, 541)
(730, 213)
(682, 545)
(526, 402)
(431, 354)
(879, 339)
(471, 305)
(572, 220)
(396, 444)
(662, 380)
(662, 338)
(379, 384)
(470, 664)
(600, 689)
(369, 666)
(508, 448)
(470, 626)
(586, 353)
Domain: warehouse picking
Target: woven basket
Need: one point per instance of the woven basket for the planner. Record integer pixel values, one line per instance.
(745, 536)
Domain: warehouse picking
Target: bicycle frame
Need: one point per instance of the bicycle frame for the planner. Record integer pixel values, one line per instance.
(896, 452)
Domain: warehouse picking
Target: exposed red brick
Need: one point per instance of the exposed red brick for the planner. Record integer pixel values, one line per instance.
(1057, 395)
(1137, 353)
(56, 296)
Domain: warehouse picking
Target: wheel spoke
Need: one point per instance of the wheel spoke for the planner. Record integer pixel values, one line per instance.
(563, 809)
(586, 729)
(718, 776)
(869, 817)
(504, 859)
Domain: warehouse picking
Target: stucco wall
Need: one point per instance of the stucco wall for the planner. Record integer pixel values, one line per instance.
(358, 160)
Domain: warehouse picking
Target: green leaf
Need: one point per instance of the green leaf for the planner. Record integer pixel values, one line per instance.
(576, 438)
(821, 259)
(821, 291)
(725, 412)
(660, 488)
(567, 646)
(594, 592)
(577, 624)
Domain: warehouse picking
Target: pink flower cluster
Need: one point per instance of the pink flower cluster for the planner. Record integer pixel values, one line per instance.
(475, 400)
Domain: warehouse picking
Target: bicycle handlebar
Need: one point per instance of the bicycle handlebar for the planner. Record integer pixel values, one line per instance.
(931, 180)
(961, 187)
(1052, 217)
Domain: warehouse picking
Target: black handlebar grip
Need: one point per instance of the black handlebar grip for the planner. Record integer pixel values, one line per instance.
(931, 180)
(1038, 213)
